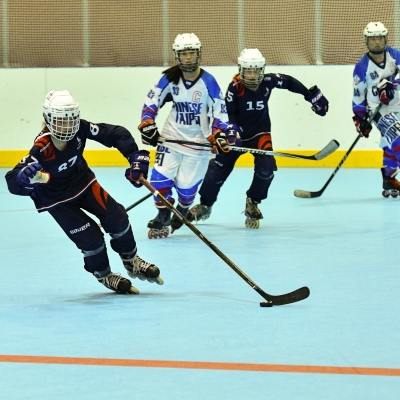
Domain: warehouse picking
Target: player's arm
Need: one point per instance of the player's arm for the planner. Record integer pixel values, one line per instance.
(220, 121)
(27, 177)
(110, 136)
(359, 103)
(155, 99)
(319, 103)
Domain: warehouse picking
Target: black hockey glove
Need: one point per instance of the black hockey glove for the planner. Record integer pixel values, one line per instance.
(139, 167)
(386, 91)
(149, 132)
(319, 102)
(219, 143)
(362, 125)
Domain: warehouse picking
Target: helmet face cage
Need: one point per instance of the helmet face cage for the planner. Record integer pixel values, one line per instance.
(184, 43)
(61, 115)
(375, 29)
(251, 60)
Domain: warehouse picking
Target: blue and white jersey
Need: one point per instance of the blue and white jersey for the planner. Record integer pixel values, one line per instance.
(198, 109)
(367, 75)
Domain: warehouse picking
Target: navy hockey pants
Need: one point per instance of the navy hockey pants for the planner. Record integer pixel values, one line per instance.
(85, 232)
(220, 168)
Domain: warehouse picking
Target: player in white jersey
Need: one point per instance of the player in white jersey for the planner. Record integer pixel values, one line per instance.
(198, 114)
(375, 83)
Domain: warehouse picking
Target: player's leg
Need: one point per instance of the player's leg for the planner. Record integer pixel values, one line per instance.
(89, 238)
(264, 167)
(114, 220)
(189, 176)
(218, 171)
(389, 126)
(162, 179)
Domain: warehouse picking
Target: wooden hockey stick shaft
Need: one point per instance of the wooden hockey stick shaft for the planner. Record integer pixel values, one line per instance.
(292, 297)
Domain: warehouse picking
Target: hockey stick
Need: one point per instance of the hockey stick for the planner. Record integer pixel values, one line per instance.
(138, 202)
(292, 297)
(326, 151)
(304, 194)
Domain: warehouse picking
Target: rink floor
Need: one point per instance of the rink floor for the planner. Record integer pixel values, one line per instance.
(203, 334)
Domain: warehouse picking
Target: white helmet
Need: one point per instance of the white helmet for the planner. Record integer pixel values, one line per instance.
(251, 59)
(374, 29)
(185, 42)
(61, 114)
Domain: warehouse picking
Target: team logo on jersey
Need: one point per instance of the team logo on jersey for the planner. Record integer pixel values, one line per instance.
(175, 90)
(196, 97)
(266, 92)
(79, 140)
(187, 113)
(356, 79)
(393, 67)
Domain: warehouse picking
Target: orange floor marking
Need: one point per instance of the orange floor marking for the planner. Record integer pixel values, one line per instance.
(117, 362)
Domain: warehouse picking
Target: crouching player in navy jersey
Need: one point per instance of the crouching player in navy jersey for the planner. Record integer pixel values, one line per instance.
(247, 104)
(58, 179)
(375, 83)
(197, 104)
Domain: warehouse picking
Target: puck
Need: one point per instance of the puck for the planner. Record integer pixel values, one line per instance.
(266, 304)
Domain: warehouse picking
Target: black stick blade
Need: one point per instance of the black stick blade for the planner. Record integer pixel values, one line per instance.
(292, 297)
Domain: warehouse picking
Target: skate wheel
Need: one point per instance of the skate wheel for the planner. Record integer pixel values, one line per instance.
(385, 194)
(152, 234)
(252, 223)
(394, 193)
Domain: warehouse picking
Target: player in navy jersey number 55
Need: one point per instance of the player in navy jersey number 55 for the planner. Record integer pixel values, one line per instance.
(58, 179)
(247, 104)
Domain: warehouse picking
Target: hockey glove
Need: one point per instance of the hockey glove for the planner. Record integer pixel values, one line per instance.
(149, 132)
(27, 173)
(386, 91)
(233, 135)
(139, 167)
(362, 125)
(319, 102)
(219, 143)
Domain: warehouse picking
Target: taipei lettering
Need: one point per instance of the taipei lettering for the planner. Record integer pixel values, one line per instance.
(187, 113)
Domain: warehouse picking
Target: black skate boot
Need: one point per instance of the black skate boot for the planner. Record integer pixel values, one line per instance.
(117, 283)
(176, 222)
(159, 226)
(252, 213)
(138, 268)
(199, 212)
(391, 186)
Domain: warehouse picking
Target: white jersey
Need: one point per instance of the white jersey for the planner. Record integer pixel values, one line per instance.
(367, 75)
(198, 110)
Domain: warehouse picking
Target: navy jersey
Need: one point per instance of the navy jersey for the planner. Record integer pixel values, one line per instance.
(69, 172)
(249, 109)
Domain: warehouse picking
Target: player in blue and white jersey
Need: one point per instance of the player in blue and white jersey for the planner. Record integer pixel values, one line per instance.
(198, 114)
(58, 179)
(247, 104)
(375, 83)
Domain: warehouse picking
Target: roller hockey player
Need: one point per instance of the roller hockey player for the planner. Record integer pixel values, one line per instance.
(58, 179)
(374, 80)
(247, 104)
(197, 99)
